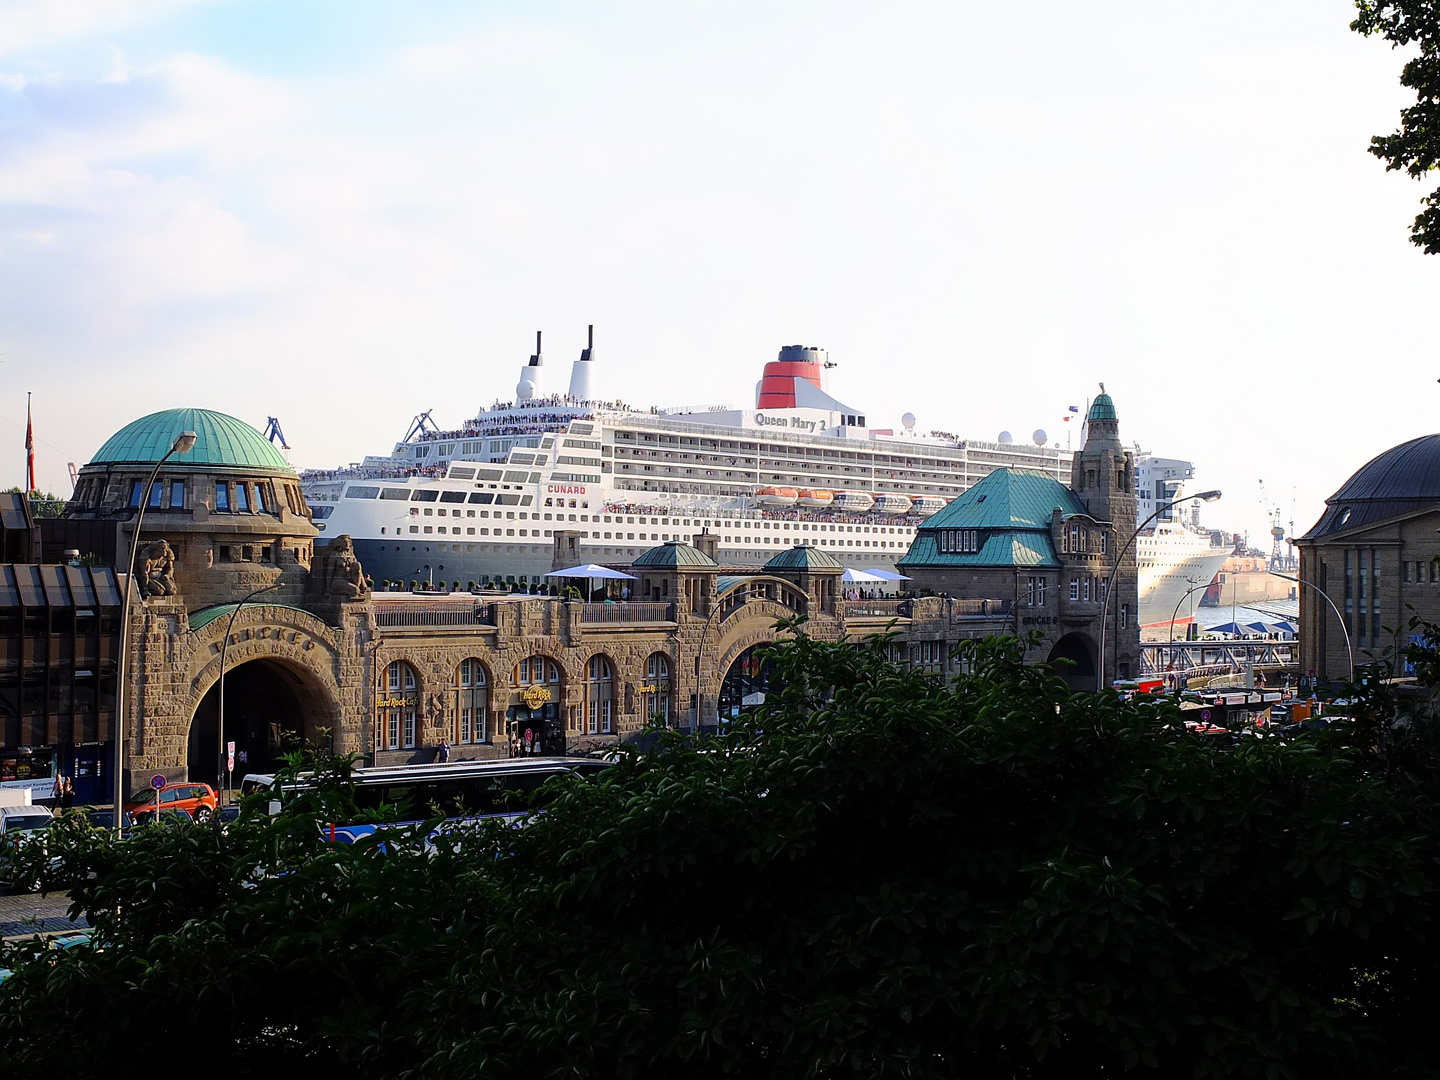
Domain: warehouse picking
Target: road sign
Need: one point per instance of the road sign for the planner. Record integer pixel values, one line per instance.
(157, 782)
(230, 756)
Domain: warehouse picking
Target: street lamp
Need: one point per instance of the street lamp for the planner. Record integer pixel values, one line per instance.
(183, 444)
(1207, 496)
(224, 646)
(1195, 586)
(1338, 617)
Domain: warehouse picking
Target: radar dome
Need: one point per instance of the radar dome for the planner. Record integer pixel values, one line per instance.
(1005, 438)
(907, 421)
(1039, 436)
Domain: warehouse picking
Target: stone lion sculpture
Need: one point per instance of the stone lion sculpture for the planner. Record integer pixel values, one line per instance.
(155, 570)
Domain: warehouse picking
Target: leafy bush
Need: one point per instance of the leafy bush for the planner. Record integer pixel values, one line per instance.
(872, 875)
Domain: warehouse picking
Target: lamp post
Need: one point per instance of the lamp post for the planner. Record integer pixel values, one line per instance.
(1195, 586)
(183, 444)
(1338, 617)
(1207, 496)
(224, 647)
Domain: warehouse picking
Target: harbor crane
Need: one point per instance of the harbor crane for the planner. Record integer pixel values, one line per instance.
(273, 432)
(421, 425)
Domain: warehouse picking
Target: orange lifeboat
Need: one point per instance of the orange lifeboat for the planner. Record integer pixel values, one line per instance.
(777, 496)
(815, 498)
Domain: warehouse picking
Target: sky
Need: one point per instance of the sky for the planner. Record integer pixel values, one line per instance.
(342, 214)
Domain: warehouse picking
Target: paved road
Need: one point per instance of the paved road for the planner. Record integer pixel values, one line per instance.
(24, 914)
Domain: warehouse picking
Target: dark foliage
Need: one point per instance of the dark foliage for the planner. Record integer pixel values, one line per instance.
(875, 876)
(1415, 146)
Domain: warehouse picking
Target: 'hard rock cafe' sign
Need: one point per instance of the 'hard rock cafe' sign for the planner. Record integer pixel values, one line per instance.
(534, 696)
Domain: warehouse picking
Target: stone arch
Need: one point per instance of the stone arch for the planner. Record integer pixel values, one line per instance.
(745, 682)
(273, 705)
(657, 687)
(473, 691)
(599, 707)
(1080, 649)
(535, 724)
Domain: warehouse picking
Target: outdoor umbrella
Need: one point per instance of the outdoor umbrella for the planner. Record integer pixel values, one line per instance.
(1228, 628)
(591, 572)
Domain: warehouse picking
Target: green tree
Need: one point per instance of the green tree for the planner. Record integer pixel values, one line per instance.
(872, 875)
(1415, 145)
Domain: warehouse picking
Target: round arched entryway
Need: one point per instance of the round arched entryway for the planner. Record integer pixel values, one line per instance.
(1080, 650)
(271, 709)
(747, 682)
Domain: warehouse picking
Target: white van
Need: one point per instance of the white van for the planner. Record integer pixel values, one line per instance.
(24, 819)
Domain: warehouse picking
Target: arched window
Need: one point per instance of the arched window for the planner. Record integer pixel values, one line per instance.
(599, 697)
(472, 701)
(396, 703)
(655, 693)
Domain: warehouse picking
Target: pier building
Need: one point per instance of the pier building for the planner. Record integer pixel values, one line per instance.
(1373, 554)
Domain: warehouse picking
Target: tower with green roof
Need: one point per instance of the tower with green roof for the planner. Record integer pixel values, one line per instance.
(1029, 554)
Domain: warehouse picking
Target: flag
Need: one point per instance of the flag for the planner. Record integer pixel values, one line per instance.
(1074, 408)
(29, 449)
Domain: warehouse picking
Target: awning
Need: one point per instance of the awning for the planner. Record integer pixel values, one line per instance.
(885, 575)
(862, 577)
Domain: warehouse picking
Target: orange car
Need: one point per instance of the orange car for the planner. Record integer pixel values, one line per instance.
(197, 800)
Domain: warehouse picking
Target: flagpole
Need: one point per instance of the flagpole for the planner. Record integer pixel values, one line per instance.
(29, 449)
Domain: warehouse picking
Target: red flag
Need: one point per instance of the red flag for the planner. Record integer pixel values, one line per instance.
(29, 448)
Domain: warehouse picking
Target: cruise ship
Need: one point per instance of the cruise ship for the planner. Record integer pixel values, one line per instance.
(1173, 554)
(484, 503)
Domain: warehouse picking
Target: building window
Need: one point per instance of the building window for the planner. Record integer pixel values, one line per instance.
(655, 693)
(261, 504)
(1124, 616)
(1030, 591)
(137, 489)
(1074, 588)
(397, 703)
(177, 494)
(242, 499)
(1104, 545)
(222, 495)
(472, 700)
(1040, 592)
(1085, 589)
(599, 697)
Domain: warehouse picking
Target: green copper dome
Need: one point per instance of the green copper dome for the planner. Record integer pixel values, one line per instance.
(220, 440)
(1102, 408)
(804, 558)
(673, 554)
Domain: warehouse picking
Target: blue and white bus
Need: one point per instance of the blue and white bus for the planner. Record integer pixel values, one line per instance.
(460, 790)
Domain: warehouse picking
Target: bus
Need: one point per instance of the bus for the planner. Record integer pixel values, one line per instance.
(497, 788)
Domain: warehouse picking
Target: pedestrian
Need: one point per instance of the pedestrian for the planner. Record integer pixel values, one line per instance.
(67, 794)
(57, 789)
(444, 752)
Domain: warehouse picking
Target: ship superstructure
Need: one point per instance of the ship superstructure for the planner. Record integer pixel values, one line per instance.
(486, 501)
(1173, 553)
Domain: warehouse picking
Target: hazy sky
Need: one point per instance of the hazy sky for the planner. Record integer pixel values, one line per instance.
(342, 214)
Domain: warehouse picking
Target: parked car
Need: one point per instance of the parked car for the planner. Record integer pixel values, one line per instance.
(105, 819)
(199, 801)
(20, 825)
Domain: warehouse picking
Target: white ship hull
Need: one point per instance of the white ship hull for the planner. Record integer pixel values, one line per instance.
(1170, 571)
